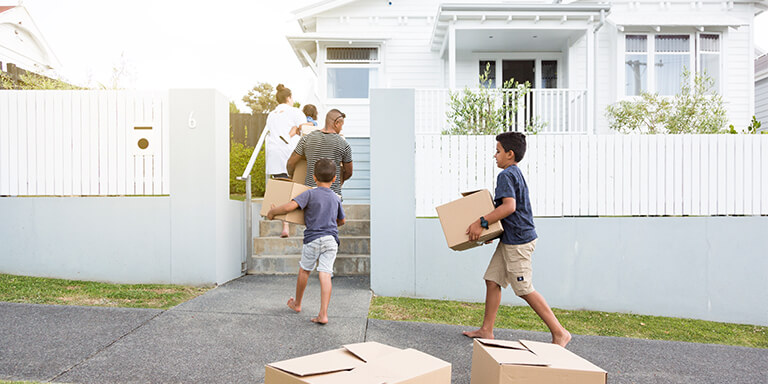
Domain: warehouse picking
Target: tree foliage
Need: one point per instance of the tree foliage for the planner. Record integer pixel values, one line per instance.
(261, 99)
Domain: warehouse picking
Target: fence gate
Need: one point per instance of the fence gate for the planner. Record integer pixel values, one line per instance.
(83, 143)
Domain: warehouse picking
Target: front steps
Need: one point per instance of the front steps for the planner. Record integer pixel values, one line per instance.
(273, 255)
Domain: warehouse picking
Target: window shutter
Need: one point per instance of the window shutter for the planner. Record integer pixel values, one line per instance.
(353, 55)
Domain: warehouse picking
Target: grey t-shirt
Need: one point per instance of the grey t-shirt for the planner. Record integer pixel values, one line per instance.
(321, 209)
(518, 227)
(320, 145)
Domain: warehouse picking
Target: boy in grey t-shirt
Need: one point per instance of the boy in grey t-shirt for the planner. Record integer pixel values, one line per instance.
(323, 214)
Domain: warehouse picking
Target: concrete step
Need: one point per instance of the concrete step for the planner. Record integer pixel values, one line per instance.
(345, 265)
(273, 228)
(349, 245)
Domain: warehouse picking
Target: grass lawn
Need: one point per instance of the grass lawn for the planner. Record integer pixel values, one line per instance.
(37, 290)
(577, 322)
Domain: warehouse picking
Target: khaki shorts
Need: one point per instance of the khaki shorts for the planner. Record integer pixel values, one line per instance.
(511, 265)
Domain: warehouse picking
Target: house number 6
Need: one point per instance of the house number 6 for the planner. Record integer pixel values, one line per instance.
(192, 122)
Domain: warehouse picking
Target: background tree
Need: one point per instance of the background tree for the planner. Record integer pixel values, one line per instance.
(261, 99)
(233, 107)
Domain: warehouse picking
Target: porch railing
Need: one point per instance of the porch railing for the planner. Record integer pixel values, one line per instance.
(549, 111)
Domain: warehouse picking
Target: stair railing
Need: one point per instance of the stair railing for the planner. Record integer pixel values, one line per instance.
(248, 231)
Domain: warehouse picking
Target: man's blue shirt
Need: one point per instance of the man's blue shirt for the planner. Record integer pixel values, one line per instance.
(518, 227)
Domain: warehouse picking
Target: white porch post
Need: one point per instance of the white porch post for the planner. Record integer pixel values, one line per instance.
(590, 79)
(452, 56)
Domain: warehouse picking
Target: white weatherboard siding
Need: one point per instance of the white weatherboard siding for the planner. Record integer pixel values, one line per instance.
(761, 102)
(605, 79)
(738, 89)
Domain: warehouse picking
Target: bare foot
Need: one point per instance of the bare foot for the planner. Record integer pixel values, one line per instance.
(562, 340)
(320, 320)
(284, 234)
(292, 305)
(480, 333)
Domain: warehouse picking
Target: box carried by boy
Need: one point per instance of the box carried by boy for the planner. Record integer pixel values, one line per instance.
(457, 215)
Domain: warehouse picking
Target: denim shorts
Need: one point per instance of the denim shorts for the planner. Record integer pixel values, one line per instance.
(321, 251)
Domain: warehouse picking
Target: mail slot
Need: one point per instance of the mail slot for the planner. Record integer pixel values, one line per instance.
(143, 140)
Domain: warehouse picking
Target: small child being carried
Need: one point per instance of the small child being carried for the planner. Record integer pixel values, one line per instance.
(323, 214)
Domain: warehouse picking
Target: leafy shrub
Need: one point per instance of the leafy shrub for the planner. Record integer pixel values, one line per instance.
(695, 109)
(239, 154)
(483, 111)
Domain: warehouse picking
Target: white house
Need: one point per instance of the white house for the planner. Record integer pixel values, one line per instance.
(579, 56)
(21, 42)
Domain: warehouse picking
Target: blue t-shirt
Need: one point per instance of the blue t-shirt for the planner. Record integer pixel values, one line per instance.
(321, 209)
(518, 227)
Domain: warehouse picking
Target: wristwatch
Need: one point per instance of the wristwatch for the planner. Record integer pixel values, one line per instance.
(483, 222)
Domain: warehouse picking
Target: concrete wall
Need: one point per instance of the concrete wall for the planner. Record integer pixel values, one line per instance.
(193, 236)
(711, 268)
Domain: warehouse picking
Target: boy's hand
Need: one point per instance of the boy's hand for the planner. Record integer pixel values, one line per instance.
(271, 213)
(474, 230)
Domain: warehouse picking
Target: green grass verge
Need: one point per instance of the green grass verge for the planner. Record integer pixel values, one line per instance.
(577, 322)
(38, 290)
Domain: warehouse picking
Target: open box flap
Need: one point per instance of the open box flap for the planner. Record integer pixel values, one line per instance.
(560, 357)
(323, 362)
(510, 353)
(370, 350)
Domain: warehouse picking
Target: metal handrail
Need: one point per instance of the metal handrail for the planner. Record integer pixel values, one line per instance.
(248, 231)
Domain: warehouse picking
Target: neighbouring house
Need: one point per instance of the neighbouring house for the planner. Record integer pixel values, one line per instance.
(21, 43)
(578, 56)
(761, 89)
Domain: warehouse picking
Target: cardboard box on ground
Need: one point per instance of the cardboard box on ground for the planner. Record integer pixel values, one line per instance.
(362, 363)
(281, 191)
(507, 362)
(456, 216)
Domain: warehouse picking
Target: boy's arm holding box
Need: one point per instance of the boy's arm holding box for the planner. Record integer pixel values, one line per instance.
(283, 209)
(507, 207)
(341, 217)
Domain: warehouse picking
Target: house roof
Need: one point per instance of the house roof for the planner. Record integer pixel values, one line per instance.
(34, 51)
(305, 15)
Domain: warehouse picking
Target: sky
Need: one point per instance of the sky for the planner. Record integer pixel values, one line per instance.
(229, 45)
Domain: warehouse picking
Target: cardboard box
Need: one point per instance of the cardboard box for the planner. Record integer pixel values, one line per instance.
(279, 192)
(506, 362)
(456, 216)
(300, 172)
(362, 363)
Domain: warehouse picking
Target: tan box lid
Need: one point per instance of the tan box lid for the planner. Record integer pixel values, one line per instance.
(560, 357)
(406, 365)
(323, 362)
(513, 353)
(343, 359)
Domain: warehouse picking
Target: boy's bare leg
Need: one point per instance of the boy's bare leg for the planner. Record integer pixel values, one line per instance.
(325, 297)
(560, 335)
(492, 302)
(286, 228)
(301, 284)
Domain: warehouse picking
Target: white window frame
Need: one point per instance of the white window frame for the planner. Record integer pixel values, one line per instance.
(537, 57)
(693, 64)
(719, 87)
(338, 64)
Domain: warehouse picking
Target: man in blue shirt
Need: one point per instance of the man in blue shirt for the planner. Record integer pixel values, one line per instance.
(511, 262)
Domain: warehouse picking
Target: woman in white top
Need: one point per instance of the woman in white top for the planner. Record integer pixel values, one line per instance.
(283, 126)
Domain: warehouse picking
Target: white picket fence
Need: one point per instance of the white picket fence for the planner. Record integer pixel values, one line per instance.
(606, 175)
(83, 143)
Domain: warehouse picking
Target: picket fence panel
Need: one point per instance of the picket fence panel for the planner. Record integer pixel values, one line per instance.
(83, 143)
(606, 175)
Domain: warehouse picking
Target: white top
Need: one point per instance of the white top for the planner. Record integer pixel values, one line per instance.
(279, 123)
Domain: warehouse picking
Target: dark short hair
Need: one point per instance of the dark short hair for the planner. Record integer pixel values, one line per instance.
(325, 170)
(282, 94)
(310, 110)
(513, 141)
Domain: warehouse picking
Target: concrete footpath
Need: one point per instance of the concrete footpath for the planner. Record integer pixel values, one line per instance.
(228, 334)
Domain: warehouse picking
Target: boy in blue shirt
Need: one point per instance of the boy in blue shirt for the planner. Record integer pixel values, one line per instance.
(323, 214)
(511, 262)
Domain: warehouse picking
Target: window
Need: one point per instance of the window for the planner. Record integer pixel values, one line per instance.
(351, 71)
(672, 57)
(549, 73)
(709, 57)
(636, 65)
(490, 66)
(671, 54)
